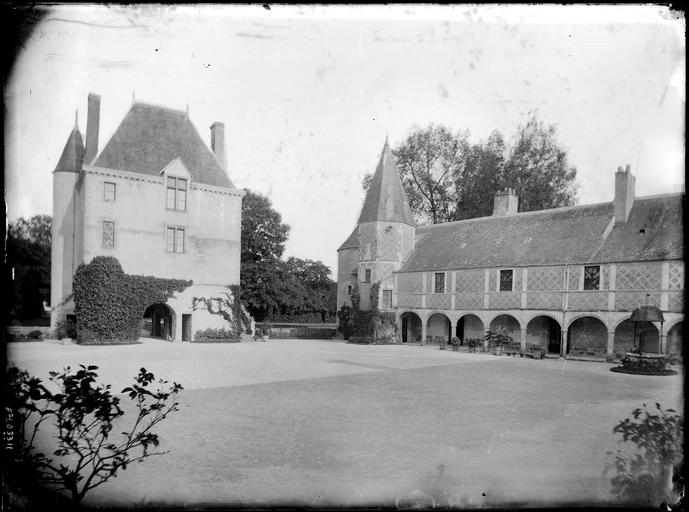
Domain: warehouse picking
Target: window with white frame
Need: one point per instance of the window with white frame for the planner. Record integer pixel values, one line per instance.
(176, 193)
(175, 239)
(439, 282)
(108, 191)
(506, 280)
(108, 234)
(592, 277)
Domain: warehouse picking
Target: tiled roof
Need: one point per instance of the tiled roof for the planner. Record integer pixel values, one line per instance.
(73, 154)
(151, 137)
(553, 237)
(652, 232)
(386, 199)
(352, 241)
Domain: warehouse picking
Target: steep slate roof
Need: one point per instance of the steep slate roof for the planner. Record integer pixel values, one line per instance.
(553, 237)
(73, 153)
(386, 200)
(150, 137)
(352, 241)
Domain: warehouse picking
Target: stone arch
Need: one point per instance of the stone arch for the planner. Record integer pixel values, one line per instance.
(507, 322)
(587, 315)
(674, 344)
(411, 327)
(469, 326)
(629, 334)
(159, 321)
(546, 332)
(438, 326)
(587, 335)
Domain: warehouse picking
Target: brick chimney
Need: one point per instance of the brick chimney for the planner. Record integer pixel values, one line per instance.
(92, 128)
(505, 203)
(218, 143)
(624, 194)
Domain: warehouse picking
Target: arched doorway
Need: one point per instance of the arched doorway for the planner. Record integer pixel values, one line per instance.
(587, 336)
(646, 335)
(545, 332)
(411, 328)
(158, 322)
(469, 326)
(508, 324)
(674, 344)
(438, 327)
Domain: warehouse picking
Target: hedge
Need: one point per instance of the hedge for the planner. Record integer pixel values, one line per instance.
(375, 325)
(301, 332)
(110, 304)
(215, 336)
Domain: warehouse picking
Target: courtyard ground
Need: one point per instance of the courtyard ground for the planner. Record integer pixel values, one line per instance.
(327, 423)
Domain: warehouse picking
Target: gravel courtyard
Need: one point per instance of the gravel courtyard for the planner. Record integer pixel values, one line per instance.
(327, 423)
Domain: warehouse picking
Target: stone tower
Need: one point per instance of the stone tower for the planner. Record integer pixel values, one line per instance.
(383, 238)
(65, 212)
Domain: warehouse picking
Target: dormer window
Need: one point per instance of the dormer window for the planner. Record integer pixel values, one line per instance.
(176, 194)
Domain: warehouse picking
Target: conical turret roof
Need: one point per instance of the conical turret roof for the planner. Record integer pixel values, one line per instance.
(73, 154)
(386, 200)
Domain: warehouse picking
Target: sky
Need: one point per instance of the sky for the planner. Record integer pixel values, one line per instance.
(309, 93)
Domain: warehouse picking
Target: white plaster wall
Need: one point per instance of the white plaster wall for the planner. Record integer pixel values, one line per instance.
(212, 225)
(346, 261)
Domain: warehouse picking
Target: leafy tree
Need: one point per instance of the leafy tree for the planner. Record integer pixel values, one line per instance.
(263, 233)
(537, 168)
(28, 262)
(446, 178)
(268, 289)
(482, 177)
(84, 414)
(428, 160)
(273, 288)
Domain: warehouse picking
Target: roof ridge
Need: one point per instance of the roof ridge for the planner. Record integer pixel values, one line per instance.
(659, 196)
(520, 214)
(548, 210)
(161, 107)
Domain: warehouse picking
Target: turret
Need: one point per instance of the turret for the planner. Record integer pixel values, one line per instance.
(386, 231)
(65, 177)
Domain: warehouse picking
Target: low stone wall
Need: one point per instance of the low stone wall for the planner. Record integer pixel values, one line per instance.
(300, 331)
(21, 332)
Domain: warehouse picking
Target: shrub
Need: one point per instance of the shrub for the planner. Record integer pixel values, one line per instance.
(215, 336)
(472, 343)
(497, 338)
(345, 317)
(361, 340)
(455, 341)
(66, 328)
(36, 335)
(110, 304)
(83, 413)
(647, 476)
